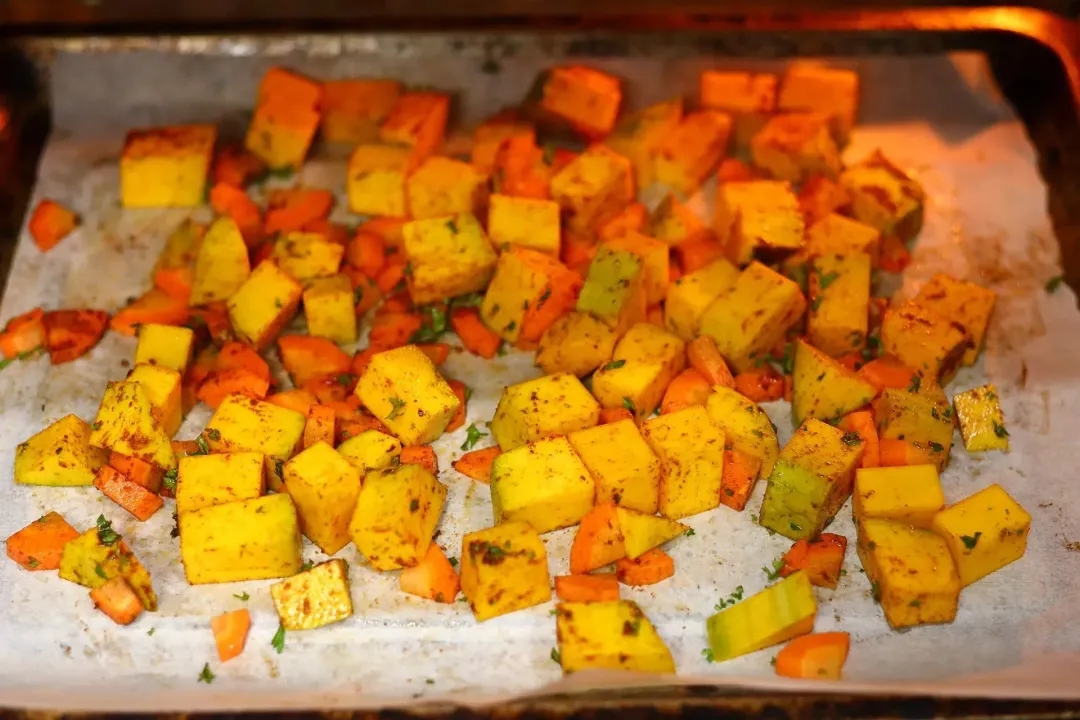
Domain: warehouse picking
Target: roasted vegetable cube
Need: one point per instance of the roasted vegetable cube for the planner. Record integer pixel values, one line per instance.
(405, 391)
(964, 303)
(540, 408)
(654, 257)
(174, 266)
(751, 318)
(674, 223)
(165, 345)
(221, 265)
(691, 451)
(353, 109)
(286, 118)
(839, 303)
(329, 309)
(643, 531)
(823, 388)
(60, 456)
(447, 257)
(883, 197)
(690, 151)
(166, 166)
(614, 289)
(638, 136)
(832, 91)
(307, 255)
(315, 597)
(417, 120)
(518, 222)
(645, 361)
(243, 424)
(982, 424)
(370, 450)
(612, 635)
(625, 469)
(324, 487)
(925, 341)
(811, 480)
(587, 99)
(917, 418)
(593, 188)
(162, 386)
(395, 516)
(376, 179)
(543, 483)
(576, 343)
(839, 235)
(984, 532)
(490, 137)
(125, 423)
(99, 555)
(691, 295)
(911, 573)
(525, 281)
(909, 494)
(40, 545)
(793, 146)
(750, 98)
(503, 569)
(249, 540)
(443, 186)
(757, 215)
(774, 615)
(263, 305)
(746, 426)
(206, 480)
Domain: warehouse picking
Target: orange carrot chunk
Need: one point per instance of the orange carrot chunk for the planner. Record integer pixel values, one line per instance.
(393, 330)
(320, 426)
(306, 358)
(234, 381)
(462, 393)
(474, 335)
(331, 388)
(887, 372)
(433, 578)
(821, 558)
(230, 633)
(762, 384)
(648, 569)
(862, 422)
(559, 298)
(229, 200)
(236, 166)
(611, 415)
(689, 388)
(39, 545)
(117, 600)
(50, 223)
(599, 540)
(698, 251)
(361, 422)
(298, 399)
(817, 656)
(22, 334)
(476, 464)
(367, 252)
(392, 275)
(291, 209)
(129, 495)
(423, 455)
(587, 588)
(738, 478)
(436, 352)
(705, 357)
(70, 334)
(153, 306)
(138, 471)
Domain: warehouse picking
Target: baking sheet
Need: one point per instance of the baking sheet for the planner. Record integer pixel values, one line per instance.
(941, 118)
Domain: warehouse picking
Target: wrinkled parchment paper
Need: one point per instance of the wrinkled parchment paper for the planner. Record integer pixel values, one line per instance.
(941, 118)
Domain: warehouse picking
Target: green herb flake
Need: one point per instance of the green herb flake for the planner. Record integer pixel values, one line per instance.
(344, 379)
(916, 383)
(772, 661)
(32, 562)
(358, 295)
(757, 433)
(851, 438)
(948, 413)
(150, 631)
(615, 364)
(1000, 430)
(787, 361)
(451, 225)
(202, 445)
(690, 532)
(242, 597)
(629, 405)
(100, 571)
(206, 676)
(970, 541)
(278, 643)
(708, 654)
(398, 408)
(169, 480)
(816, 303)
(435, 323)
(824, 281)
(937, 447)
(915, 603)
(308, 564)
(555, 656)
(106, 534)
(414, 505)
(731, 599)
(453, 561)
(1054, 283)
(472, 436)
(777, 566)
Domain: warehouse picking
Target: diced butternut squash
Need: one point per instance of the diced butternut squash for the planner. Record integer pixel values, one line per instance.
(984, 532)
(528, 292)
(918, 418)
(518, 222)
(352, 109)
(982, 424)
(691, 150)
(836, 234)
(691, 451)
(746, 426)
(324, 487)
(611, 635)
(206, 480)
(395, 516)
(100, 555)
(125, 423)
(166, 166)
(794, 146)
(839, 303)
(443, 186)
(315, 597)
(624, 467)
(543, 483)
(418, 121)
(593, 188)
(774, 615)
(823, 388)
(329, 309)
(911, 495)
(884, 197)
(60, 455)
(370, 450)
(503, 569)
(585, 98)
(447, 256)
(540, 408)
(403, 388)
(243, 424)
(644, 362)
(642, 531)
(576, 343)
(757, 216)
(376, 177)
(965, 303)
(689, 296)
(168, 346)
(639, 136)
(928, 343)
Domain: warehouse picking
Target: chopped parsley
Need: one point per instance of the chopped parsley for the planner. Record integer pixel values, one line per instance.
(358, 295)
(816, 303)
(937, 447)
(435, 322)
(629, 405)
(915, 603)
(970, 541)
(452, 561)
(344, 379)
(1053, 284)
(916, 383)
(32, 563)
(100, 571)
(757, 433)
(948, 413)
(851, 438)
(308, 564)
(555, 656)
(614, 364)
(690, 532)
(827, 279)
(777, 566)
(106, 534)
(414, 505)
(1000, 430)
(472, 436)
(242, 597)
(206, 676)
(731, 599)
(203, 447)
(787, 361)
(278, 643)
(707, 653)
(451, 225)
(169, 480)
(397, 408)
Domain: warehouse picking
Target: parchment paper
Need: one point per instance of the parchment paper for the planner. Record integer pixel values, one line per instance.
(941, 118)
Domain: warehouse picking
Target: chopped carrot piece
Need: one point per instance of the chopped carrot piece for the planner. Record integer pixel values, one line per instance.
(392, 275)
(297, 399)
(520, 169)
(698, 252)
(231, 201)
(361, 422)
(611, 415)
(852, 361)
(129, 495)
(887, 372)
(367, 252)
(738, 478)
(293, 208)
(344, 409)
(306, 358)
(474, 335)
(393, 330)
(559, 298)
(458, 421)
(235, 381)
(138, 471)
(153, 306)
(894, 254)
(587, 588)
(689, 388)
(205, 363)
(331, 388)
(117, 600)
(361, 360)
(423, 455)
(821, 558)
(476, 464)
(433, 578)
(897, 453)
(215, 318)
(630, 219)
(395, 305)
(437, 352)
(761, 384)
(735, 170)
(181, 448)
(238, 356)
(22, 334)
(366, 294)
(655, 315)
(230, 633)
(862, 422)
(50, 223)
(39, 545)
(176, 281)
(332, 232)
(705, 357)
(578, 251)
(648, 569)
(817, 656)
(599, 540)
(320, 426)
(234, 165)
(70, 334)
(388, 228)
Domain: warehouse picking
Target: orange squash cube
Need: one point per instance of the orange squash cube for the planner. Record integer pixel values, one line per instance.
(587, 99)
(286, 118)
(417, 120)
(352, 110)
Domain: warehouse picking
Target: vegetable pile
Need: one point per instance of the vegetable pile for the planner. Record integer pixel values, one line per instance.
(660, 338)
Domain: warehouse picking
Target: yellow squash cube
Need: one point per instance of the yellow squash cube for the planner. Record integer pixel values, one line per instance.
(503, 569)
(447, 257)
(746, 426)
(921, 419)
(982, 424)
(222, 264)
(638, 136)
(540, 408)
(91, 562)
(405, 391)
(59, 456)
(370, 450)
(757, 215)
(624, 468)
(395, 516)
(125, 424)
(524, 280)
(576, 343)
(543, 483)
(206, 480)
(330, 310)
(794, 146)
(376, 177)
(518, 222)
(911, 573)
(165, 345)
(418, 121)
(750, 98)
(263, 305)
(166, 166)
(839, 303)
(689, 152)
(984, 532)
(811, 480)
(593, 188)
(750, 319)
(689, 296)
(248, 540)
(352, 109)
(823, 388)
(674, 223)
(774, 615)
(307, 255)
(642, 531)
(611, 635)
(928, 343)
(884, 197)
(285, 120)
(179, 252)
(831, 91)
(645, 361)
(243, 424)
(614, 290)
(162, 386)
(315, 597)
(691, 451)
(967, 304)
(910, 494)
(839, 235)
(655, 257)
(324, 487)
(442, 186)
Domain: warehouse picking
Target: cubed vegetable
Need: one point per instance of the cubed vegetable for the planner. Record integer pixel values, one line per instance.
(836, 234)
(543, 483)
(774, 615)
(243, 424)
(820, 558)
(503, 569)
(689, 296)
(794, 146)
(642, 531)
(654, 256)
(444, 186)
(447, 257)
(928, 343)
(324, 487)
(315, 597)
(50, 223)
(911, 495)
(823, 388)
(395, 517)
(40, 545)
(307, 255)
(417, 120)
(585, 98)
(674, 223)
(757, 216)
(520, 222)
(750, 98)
(162, 386)
(645, 361)
(175, 265)
(984, 532)
(593, 188)
(690, 151)
(166, 166)
(125, 423)
(839, 303)
(918, 418)
(691, 451)
(286, 118)
(638, 136)
(206, 480)
(884, 197)
(831, 91)
(352, 109)
(576, 343)
(376, 177)
(528, 290)
(330, 310)
(614, 290)
(403, 388)
(746, 426)
(625, 469)
(60, 456)
(100, 555)
(168, 346)
(964, 303)
(370, 450)
(612, 635)
(540, 408)
(982, 424)
(221, 265)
